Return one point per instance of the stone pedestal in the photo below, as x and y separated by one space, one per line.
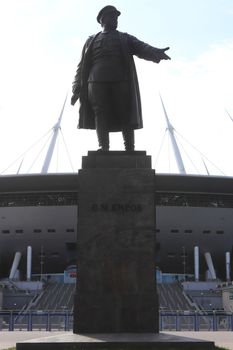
116 304
116 287
116 341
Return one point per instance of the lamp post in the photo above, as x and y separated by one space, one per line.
184 261
41 261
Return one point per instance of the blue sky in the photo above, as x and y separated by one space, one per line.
41 42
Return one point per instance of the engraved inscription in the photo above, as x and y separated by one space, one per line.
122 208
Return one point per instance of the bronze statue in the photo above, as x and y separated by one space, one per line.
106 81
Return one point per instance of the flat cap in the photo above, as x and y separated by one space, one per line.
107 9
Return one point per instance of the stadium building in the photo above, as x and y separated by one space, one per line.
38 230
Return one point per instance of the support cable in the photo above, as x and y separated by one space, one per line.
57 160
186 153
202 154
169 152
25 152
67 151
38 155
160 148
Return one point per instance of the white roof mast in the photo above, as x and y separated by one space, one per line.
49 153
176 150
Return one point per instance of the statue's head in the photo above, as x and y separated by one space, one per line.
108 14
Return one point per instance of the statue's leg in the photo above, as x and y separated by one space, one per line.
128 136
121 99
102 135
97 98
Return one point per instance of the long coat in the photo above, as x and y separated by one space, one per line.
130 46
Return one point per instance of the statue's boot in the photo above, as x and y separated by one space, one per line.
128 137
102 133
103 139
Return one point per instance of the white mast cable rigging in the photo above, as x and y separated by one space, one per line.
176 150
207 170
229 115
50 151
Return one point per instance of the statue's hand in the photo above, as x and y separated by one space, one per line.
74 99
163 55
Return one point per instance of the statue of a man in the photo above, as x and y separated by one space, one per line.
106 81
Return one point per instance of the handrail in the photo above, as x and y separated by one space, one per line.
63 320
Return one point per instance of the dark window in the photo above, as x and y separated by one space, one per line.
5 231
206 232
220 232
37 230
18 231
157 230
71 246
188 231
38 199
174 230
55 255
51 230
69 230
194 199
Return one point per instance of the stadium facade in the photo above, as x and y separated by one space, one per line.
40 211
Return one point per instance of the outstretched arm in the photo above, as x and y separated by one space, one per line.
146 51
163 55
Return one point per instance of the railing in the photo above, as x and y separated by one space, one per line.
196 321
36 320
63 321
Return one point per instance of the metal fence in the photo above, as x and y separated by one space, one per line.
36 320
196 321
63 321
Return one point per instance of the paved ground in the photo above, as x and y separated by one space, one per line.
9 339
221 339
